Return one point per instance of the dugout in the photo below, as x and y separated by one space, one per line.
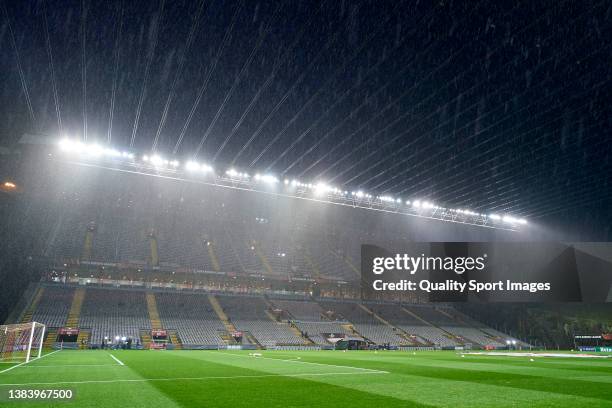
351 343
67 335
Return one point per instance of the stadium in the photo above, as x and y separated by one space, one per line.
191 195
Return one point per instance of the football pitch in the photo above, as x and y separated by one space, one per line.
130 378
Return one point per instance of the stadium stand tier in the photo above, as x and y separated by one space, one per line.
194 323
251 314
364 322
53 306
300 310
191 316
113 313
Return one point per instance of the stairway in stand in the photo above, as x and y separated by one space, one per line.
230 329
229 326
175 339
347 260
75 309
83 339
298 333
27 315
51 337
444 332
263 258
145 338
253 340
408 341
153 312
213 256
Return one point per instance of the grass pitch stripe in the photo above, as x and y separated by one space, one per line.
116 359
228 377
25 362
371 370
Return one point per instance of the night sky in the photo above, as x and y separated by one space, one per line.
493 107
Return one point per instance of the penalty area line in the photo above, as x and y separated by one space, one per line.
229 377
116 359
25 362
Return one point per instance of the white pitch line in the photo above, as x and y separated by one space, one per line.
116 359
138 380
73 365
308 362
25 362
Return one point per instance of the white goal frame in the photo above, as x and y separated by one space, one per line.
22 337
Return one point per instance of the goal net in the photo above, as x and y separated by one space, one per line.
21 342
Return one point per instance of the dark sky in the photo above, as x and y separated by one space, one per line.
496 107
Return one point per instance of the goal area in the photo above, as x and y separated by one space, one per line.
21 342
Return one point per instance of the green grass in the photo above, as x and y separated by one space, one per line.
336 379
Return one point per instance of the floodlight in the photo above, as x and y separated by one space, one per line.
192 166
111 152
65 145
94 150
157 160
509 219
266 178
68 145
321 188
360 197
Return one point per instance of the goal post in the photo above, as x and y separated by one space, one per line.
21 342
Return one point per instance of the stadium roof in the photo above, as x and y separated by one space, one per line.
494 107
